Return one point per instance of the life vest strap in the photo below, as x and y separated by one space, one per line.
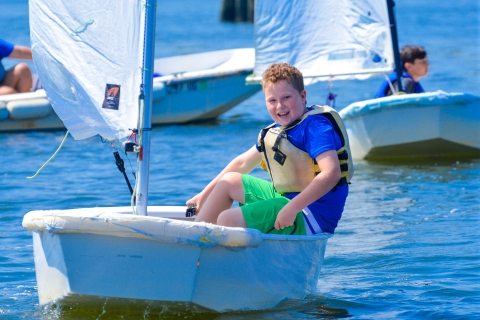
344 167
341 182
342 154
277 141
263 133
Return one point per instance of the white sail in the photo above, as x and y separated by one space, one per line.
88 55
347 39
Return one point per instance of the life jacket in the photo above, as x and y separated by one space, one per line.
382 91
292 169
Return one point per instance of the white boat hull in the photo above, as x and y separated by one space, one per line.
87 258
434 124
195 87
199 99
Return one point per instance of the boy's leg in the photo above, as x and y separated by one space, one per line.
261 207
4 87
228 189
6 90
261 215
253 190
232 218
19 79
25 82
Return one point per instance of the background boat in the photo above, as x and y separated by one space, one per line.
424 125
188 88
357 41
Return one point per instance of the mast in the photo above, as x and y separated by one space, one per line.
145 116
396 51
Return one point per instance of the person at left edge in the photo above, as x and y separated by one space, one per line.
18 78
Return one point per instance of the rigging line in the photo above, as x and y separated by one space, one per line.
131 167
144 43
83 25
390 84
126 154
53 156
133 199
119 161
121 167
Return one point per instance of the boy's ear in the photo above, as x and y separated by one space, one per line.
408 66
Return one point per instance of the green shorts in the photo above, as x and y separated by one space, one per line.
261 207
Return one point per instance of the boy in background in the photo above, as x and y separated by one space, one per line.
415 65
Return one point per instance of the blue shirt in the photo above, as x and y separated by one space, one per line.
410 85
316 135
6 49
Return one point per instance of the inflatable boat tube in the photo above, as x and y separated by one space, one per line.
29 109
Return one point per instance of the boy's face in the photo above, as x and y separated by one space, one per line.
284 103
419 68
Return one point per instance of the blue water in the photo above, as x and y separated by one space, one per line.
407 247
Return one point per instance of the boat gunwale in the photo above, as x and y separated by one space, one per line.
197 76
171 229
415 100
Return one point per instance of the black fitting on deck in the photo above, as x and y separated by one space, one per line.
120 164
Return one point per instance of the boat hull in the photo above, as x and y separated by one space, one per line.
86 268
414 126
200 99
191 88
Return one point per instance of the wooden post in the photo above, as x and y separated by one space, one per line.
237 10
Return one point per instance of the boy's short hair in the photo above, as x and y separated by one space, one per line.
410 53
283 71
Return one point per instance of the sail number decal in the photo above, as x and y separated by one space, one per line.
175 88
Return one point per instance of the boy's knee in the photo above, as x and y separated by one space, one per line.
222 218
231 218
229 180
7 90
232 176
23 69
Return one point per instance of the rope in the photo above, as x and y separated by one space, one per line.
142 68
84 25
330 101
53 156
132 199
389 83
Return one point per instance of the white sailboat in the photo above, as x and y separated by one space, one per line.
336 40
157 256
422 125
187 88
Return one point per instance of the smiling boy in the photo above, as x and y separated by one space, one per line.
306 153
415 66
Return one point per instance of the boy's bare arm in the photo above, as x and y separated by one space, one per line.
243 163
325 181
21 52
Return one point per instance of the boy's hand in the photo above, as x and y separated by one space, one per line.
285 219
198 200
